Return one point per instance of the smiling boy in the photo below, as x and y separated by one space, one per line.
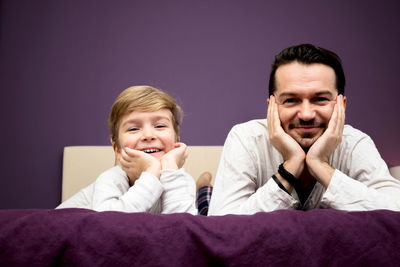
148 175
302 156
144 139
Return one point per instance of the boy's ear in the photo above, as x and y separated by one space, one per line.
177 139
114 145
116 151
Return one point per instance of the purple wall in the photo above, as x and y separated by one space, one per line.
62 63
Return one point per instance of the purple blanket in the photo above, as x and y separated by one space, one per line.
78 237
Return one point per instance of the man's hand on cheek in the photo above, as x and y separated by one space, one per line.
175 158
292 153
317 158
134 162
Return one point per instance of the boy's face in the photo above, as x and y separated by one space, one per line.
150 132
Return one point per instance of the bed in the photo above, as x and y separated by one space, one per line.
80 237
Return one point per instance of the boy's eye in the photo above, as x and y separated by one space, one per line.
160 126
132 129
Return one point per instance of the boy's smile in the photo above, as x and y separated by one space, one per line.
155 152
151 150
150 132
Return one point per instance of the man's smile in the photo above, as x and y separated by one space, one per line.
307 129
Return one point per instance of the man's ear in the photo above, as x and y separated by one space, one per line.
344 102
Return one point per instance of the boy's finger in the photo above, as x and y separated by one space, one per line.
176 145
124 155
132 152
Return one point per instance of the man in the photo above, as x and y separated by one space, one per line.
302 156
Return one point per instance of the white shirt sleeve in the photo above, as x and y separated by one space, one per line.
112 192
367 184
179 192
238 188
82 199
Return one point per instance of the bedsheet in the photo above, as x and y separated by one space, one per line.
80 237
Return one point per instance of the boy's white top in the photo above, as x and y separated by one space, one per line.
174 192
243 183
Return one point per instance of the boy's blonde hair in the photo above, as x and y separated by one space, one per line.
142 98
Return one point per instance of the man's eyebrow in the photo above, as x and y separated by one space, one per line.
324 92
286 94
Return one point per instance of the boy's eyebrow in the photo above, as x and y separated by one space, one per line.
156 118
161 118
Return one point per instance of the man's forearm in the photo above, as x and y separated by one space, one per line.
321 171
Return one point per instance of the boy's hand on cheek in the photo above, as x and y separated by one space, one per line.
175 158
134 162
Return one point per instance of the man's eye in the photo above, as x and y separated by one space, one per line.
321 99
289 101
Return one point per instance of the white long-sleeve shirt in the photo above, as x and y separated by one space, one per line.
243 183
174 192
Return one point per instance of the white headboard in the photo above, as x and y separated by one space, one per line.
83 164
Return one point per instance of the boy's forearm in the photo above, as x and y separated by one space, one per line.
169 164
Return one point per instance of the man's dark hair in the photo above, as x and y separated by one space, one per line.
308 54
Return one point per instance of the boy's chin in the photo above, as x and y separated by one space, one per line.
157 155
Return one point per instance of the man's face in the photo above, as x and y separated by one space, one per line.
306 96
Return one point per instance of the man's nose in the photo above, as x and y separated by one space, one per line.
306 111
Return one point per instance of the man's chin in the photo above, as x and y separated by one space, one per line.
306 143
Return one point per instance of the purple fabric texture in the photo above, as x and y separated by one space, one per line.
78 237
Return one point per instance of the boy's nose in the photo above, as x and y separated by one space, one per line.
306 111
148 134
